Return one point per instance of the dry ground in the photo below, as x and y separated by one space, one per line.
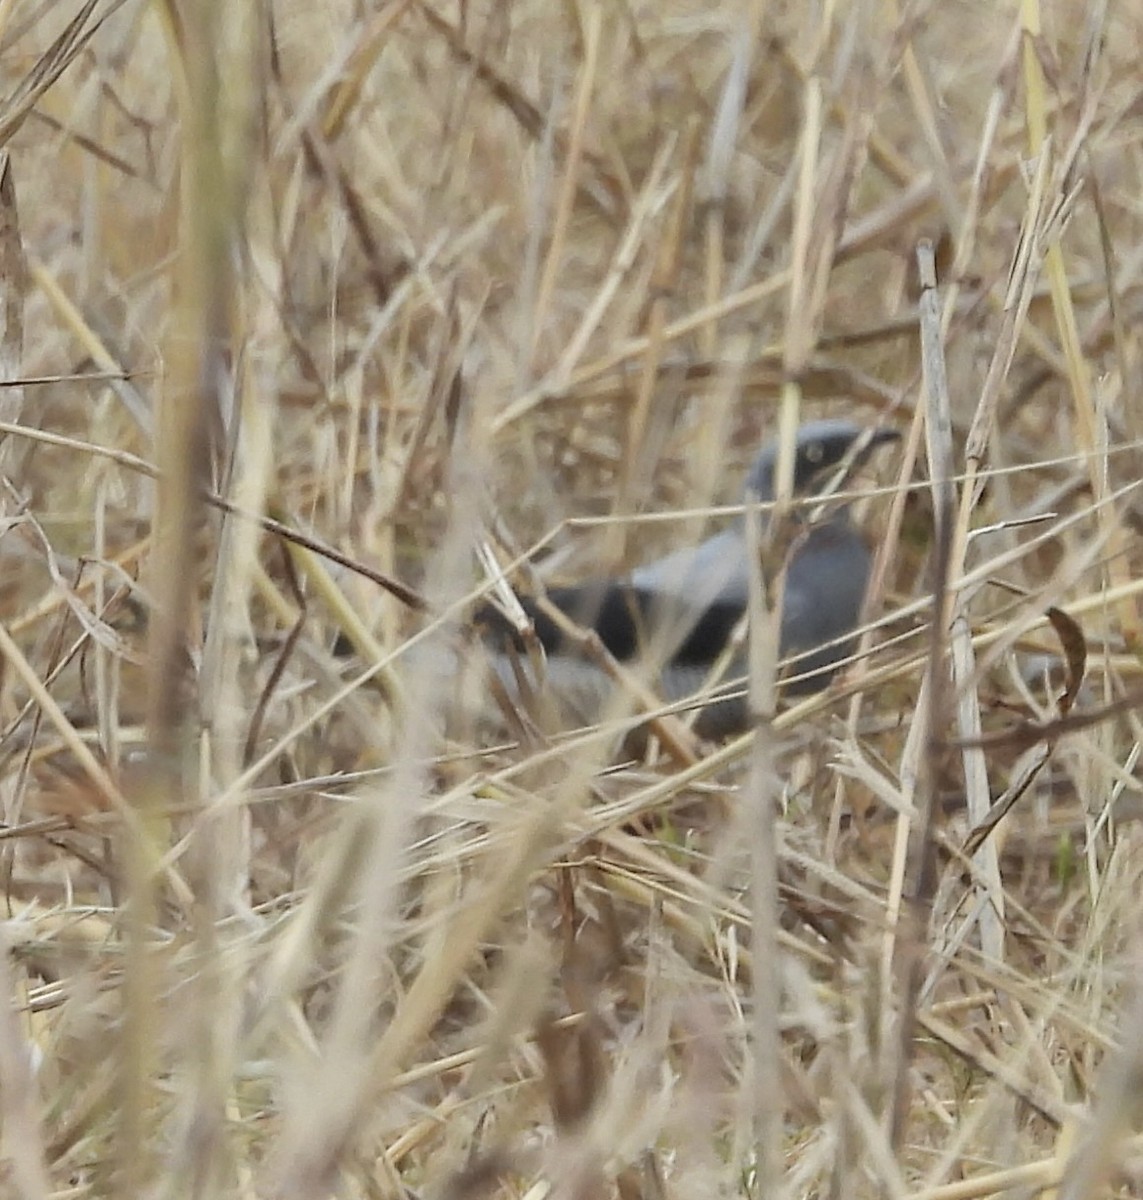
417 277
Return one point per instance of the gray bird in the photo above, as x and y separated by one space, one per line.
682 609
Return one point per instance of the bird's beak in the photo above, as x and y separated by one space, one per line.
882 434
867 442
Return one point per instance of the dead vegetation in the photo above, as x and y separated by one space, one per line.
321 317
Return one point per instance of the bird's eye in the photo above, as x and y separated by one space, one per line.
815 453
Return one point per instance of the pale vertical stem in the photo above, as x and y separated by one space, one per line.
920 883
569 183
765 1062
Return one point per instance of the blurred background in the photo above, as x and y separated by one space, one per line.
315 320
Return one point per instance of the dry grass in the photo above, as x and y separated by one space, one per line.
439 276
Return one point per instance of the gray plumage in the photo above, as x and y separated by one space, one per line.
682 609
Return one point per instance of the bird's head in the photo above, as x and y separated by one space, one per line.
820 446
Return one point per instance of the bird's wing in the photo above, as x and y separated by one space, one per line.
699 592
715 571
